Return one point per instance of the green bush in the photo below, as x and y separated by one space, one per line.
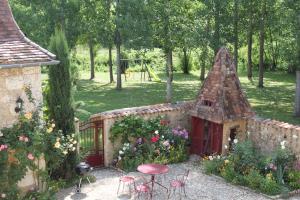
213 166
253 179
270 186
293 179
228 173
246 157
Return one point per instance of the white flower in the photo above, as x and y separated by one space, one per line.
282 147
210 158
73 149
229 139
1 134
226 147
294 136
65 152
121 152
73 135
156 132
162 137
282 143
3 195
219 157
235 141
75 142
70 145
248 133
119 158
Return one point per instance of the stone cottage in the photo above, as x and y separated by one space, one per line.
20 65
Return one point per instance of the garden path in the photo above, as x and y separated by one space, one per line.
200 186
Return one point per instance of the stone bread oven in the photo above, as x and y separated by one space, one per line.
221 109
20 61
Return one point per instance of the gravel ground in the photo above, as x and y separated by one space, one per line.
199 186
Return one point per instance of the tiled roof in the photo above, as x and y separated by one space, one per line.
221 97
15 49
143 110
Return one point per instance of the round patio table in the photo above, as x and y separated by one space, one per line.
153 169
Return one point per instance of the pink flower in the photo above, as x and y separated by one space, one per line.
30 156
21 138
3 147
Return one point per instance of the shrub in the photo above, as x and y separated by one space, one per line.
270 186
228 172
213 166
253 179
246 157
147 141
293 179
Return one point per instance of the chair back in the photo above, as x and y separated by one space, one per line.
185 176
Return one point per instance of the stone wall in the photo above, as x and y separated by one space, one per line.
267 134
176 114
12 82
240 125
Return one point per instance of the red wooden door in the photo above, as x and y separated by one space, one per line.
197 136
206 137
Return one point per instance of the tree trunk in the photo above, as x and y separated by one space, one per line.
261 45
203 63
236 35
250 39
297 100
110 64
118 46
185 62
273 51
169 70
92 59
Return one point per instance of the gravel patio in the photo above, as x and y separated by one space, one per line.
199 186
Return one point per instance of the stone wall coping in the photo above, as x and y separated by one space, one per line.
143 110
272 122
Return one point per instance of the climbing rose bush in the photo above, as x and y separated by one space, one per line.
23 145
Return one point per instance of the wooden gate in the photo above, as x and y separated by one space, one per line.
206 137
92 142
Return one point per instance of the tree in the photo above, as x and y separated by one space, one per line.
59 98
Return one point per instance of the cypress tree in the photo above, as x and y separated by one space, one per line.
59 97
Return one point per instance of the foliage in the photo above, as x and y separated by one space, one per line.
293 179
59 97
24 145
147 141
246 166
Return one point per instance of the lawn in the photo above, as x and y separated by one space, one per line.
275 101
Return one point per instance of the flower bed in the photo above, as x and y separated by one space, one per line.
274 174
148 141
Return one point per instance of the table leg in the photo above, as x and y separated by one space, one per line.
152 180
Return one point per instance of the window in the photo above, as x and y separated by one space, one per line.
207 103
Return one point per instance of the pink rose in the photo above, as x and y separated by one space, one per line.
3 147
21 138
30 156
26 139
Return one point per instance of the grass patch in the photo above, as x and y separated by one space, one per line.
275 101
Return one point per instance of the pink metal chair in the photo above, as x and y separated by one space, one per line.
143 189
179 184
126 181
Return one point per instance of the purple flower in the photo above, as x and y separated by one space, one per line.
181 132
139 141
